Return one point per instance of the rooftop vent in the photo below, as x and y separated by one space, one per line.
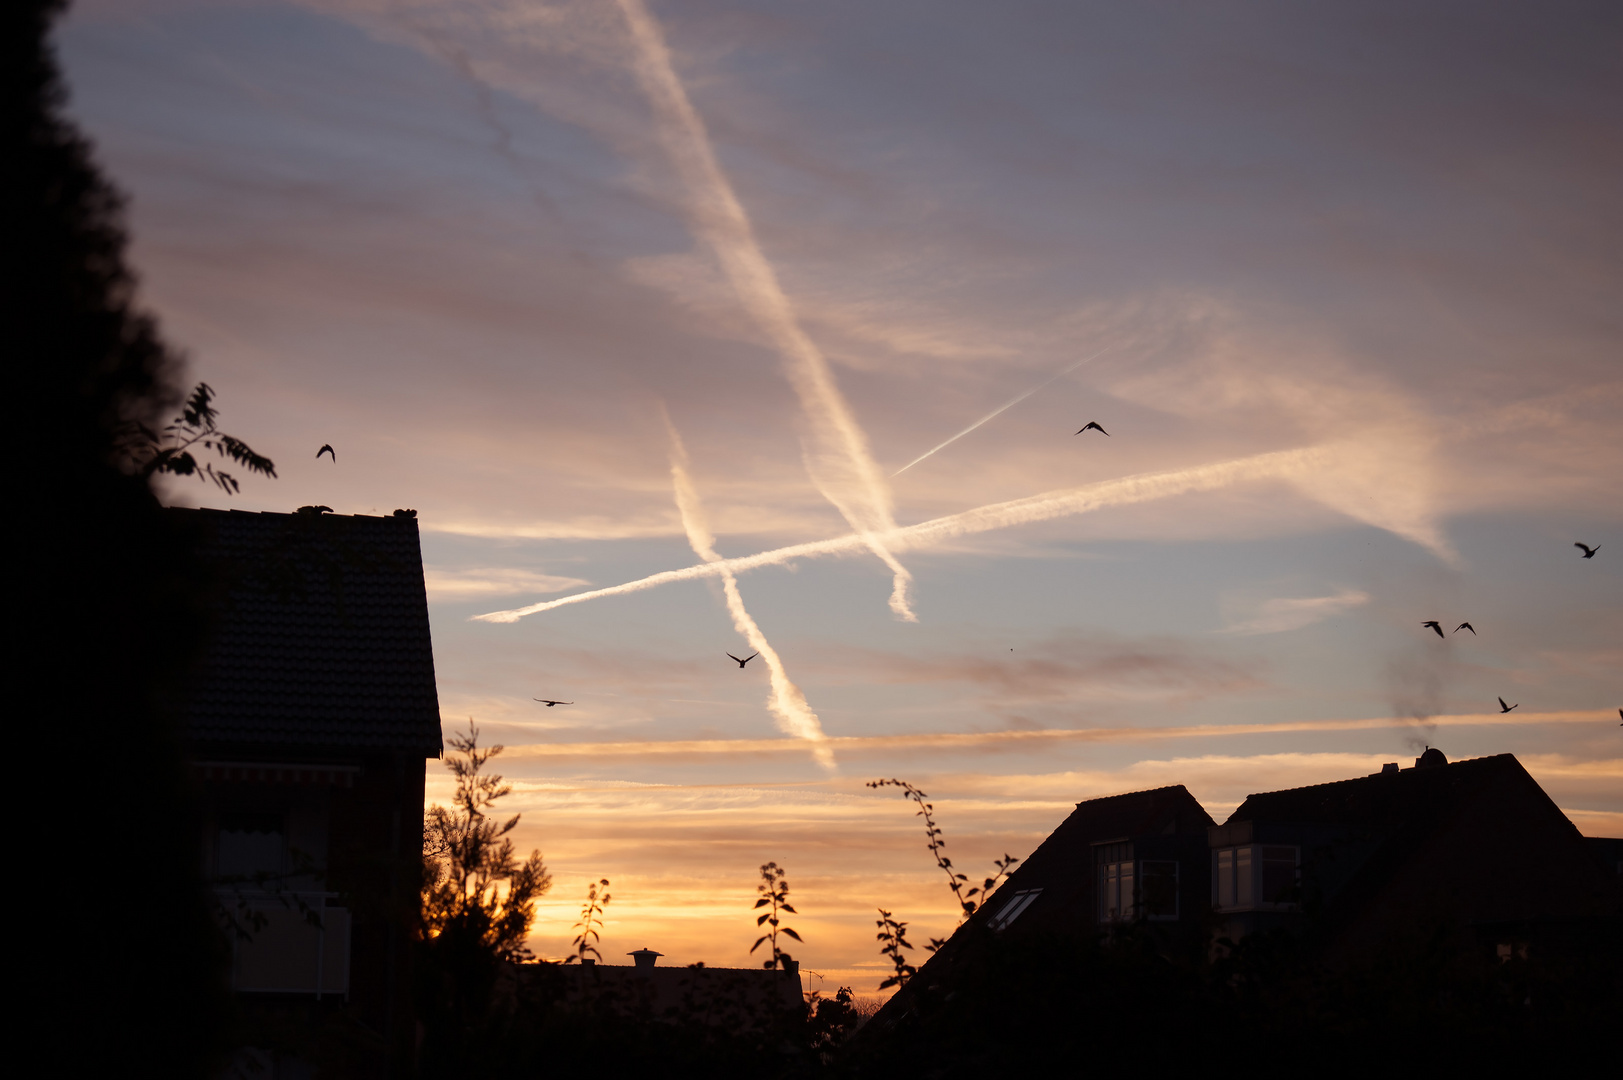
645 957
1431 759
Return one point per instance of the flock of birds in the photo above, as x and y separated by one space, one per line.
1091 425
1436 625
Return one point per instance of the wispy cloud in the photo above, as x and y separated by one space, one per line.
1066 666
978 742
1292 613
837 453
786 701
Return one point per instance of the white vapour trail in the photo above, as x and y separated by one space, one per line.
840 461
1005 407
1282 464
786 702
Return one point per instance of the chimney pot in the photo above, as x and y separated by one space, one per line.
645 957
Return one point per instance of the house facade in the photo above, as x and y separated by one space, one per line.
309 722
1349 869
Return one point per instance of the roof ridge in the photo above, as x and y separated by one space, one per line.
1374 776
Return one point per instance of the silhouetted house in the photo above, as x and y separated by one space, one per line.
309 723
734 999
1114 861
1369 862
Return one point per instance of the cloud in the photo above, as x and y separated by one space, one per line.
466 584
981 742
1066 667
1292 613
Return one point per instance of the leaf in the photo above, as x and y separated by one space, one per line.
789 909
762 902
792 934
762 919
758 941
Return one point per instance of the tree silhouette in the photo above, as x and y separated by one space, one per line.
468 858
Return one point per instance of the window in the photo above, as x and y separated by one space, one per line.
1115 891
1158 888
1278 875
1254 876
250 845
1011 911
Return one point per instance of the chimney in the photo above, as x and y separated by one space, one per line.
645 958
1431 759
792 967
1389 767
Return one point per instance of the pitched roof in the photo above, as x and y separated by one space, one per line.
1060 872
321 637
1406 799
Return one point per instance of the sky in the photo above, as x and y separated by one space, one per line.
794 309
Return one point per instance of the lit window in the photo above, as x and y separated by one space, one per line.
1013 909
1114 882
1255 876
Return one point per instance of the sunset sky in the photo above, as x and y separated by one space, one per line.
609 288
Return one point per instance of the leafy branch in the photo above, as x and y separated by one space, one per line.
197 427
962 891
774 890
586 941
893 939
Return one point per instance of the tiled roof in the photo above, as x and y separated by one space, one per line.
321 639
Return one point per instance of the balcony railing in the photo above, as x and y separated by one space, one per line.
296 944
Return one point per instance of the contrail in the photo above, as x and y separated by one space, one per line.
1001 408
785 702
841 464
1054 504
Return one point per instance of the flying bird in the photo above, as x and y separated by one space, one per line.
1435 625
1093 425
549 703
744 661
326 448
1465 626
1589 552
1506 708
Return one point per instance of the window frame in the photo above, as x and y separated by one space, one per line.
1238 875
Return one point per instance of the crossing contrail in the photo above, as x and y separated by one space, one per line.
1011 403
1282 464
785 700
838 457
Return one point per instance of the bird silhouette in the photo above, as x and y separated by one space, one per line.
1465 626
1506 708
326 448
1435 625
1589 552
549 703
1093 425
744 661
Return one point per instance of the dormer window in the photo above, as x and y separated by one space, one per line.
1256 877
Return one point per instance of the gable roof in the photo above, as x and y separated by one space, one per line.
320 639
1060 871
1408 799
1481 833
